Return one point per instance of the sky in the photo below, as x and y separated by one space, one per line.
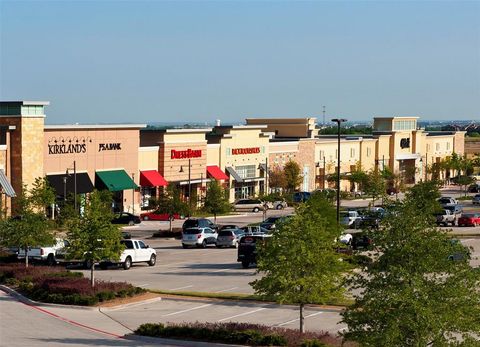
198 61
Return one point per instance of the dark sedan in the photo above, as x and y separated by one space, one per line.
125 218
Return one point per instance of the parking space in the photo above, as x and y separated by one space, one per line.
175 310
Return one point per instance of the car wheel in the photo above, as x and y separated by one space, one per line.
153 260
218 246
51 260
145 218
204 244
279 207
127 264
87 264
256 209
245 264
236 244
103 266
130 223
184 245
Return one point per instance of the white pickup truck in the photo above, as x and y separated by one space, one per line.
52 255
137 251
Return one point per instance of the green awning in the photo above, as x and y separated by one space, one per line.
114 180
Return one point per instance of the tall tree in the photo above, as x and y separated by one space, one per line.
92 236
276 179
299 263
171 203
420 289
375 185
293 175
358 177
215 199
42 195
28 227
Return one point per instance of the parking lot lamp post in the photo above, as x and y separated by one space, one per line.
133 194
339 121
74 183
189 185
64 189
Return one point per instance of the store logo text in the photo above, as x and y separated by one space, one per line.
186 154
109 147
251 150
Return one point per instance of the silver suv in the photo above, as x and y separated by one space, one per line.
253 205
200 237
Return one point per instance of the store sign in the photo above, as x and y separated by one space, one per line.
67 145
250 150
186 154
109 147
405 143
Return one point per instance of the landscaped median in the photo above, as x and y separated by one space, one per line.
59 286
239 334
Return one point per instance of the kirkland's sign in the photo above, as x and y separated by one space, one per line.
250 150
67 145
186 154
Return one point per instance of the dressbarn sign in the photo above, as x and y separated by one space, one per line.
249 150
186 154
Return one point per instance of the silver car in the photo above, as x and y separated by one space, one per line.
229 237
250 205
200 237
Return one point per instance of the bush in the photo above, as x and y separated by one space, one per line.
238 333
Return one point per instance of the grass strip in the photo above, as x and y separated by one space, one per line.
242 297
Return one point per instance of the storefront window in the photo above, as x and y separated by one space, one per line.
244 190
247 171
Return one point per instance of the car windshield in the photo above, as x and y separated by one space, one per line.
344 214
225 233
190 223
192 231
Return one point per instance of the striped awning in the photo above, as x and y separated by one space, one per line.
7 187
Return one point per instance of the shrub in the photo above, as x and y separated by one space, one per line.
239 333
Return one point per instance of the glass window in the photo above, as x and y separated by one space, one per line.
369 151
437 146
352 152
142 245
246 171
127 243
448 145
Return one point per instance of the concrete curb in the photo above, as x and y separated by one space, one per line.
131 304
159 341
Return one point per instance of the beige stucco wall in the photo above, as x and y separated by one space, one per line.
367 154
148 158
213 154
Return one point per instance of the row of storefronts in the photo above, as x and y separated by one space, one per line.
134 162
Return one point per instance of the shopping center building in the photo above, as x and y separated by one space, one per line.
135 162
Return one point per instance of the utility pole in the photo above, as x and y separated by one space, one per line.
133 194
323 115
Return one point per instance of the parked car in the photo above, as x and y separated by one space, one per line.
301 196
474 188
277 205
270 222
350 219
50 254
199 223
345 238
228 226
469 219
476 200
255 229
370 218
247 248
456 210
136 251
199 237
361 241
445 217
229 237
251 205
125 218
446 200
157 215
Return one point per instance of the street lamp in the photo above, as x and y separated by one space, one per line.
133 194
339 121
74 183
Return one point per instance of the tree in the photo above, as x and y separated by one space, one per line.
277 179
28 227
420 289
375 185
293 177
215 199
92 236
358 177
299 262
464 181
42 194
170 202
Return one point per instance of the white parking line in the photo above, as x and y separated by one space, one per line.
188 310
181 287
143 285
241 314
297 319
225 290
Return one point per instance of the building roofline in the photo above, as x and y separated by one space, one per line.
27 102
93 126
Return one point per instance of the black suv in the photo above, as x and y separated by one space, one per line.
125 218
199 223
247 248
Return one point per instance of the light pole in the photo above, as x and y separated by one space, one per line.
339 121
74 183
64 189
189 185
133 194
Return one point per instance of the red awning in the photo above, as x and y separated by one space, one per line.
152 178
215 172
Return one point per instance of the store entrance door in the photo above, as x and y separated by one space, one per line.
245 194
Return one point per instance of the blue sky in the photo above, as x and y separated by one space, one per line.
155 61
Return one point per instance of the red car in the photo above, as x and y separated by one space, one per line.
156 215
469 219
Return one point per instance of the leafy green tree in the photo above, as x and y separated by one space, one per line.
375 185
293 175
277 179
28 227
358 177
299 262
171 203
464 181
41 195
92 236
420 289
215 199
